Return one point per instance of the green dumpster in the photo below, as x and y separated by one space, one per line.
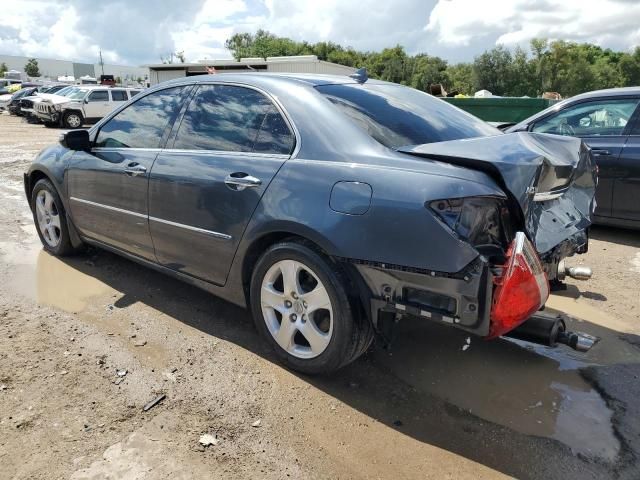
501 109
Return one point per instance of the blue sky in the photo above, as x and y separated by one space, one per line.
136 32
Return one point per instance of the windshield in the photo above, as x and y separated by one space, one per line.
76 94
398 116
65 91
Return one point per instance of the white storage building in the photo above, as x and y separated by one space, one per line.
297 64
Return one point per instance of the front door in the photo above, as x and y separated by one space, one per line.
108 186
206 184
603 124
97 105
626 187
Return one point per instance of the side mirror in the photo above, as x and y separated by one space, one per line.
86 100
76 140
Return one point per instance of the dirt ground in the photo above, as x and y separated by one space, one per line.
86 342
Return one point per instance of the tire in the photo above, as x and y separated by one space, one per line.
50 219
72 120
331 336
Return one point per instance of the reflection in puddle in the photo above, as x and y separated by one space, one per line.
49 280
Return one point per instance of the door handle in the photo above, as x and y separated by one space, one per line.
134 169
600 152
240 180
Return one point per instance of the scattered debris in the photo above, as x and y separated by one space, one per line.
398 423
256 424
153 402
63 372
467 344
140 343
118 381
208 439
67 353
538 404
3 387
122 373
173 370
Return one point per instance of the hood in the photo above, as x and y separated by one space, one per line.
552 178
56 99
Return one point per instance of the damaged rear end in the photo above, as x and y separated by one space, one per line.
522 238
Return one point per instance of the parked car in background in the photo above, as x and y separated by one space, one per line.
609 122
27 103
330 205
14 104
84 104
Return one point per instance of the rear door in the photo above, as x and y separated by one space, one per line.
108 186
603 124
118 98
206 184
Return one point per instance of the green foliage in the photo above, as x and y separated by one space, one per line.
31 68
558 66
3 69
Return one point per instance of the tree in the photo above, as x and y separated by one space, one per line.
491 70
460 78
3 69
31 68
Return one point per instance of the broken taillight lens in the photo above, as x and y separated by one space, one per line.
521 290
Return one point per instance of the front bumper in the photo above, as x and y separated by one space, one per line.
50 117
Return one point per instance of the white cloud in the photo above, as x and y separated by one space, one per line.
461 23
138 31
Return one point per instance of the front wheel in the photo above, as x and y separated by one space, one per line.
72 120
300 305
50 219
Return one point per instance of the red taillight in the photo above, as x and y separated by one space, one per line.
521 290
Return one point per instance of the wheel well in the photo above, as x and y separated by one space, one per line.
33 179
263 243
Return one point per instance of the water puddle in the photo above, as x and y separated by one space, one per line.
533 390
47 279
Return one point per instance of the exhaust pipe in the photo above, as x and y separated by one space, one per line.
578 273
548 330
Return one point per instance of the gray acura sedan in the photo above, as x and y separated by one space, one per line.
330 206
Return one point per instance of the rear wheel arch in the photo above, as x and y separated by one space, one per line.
357 288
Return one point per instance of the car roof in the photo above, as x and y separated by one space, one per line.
312 79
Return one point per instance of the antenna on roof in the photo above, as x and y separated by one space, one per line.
360 75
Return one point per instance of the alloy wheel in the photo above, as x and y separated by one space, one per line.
48 218
297 309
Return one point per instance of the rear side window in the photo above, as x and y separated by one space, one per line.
233 119
119 95
133 93
99 96
142 124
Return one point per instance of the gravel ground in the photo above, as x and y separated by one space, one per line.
424 409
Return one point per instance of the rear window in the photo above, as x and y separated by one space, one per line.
398 116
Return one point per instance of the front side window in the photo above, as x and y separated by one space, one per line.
77 94
600 117
142 124
233 119
99 96
118 95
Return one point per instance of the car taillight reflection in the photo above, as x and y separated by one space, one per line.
521 290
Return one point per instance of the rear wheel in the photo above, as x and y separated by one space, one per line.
50 219
300 305
72 120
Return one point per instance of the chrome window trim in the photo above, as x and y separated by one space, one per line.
211 233
223 153
125 149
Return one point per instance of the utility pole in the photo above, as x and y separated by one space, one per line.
101 62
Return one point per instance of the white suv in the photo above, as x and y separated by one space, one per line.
85 104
